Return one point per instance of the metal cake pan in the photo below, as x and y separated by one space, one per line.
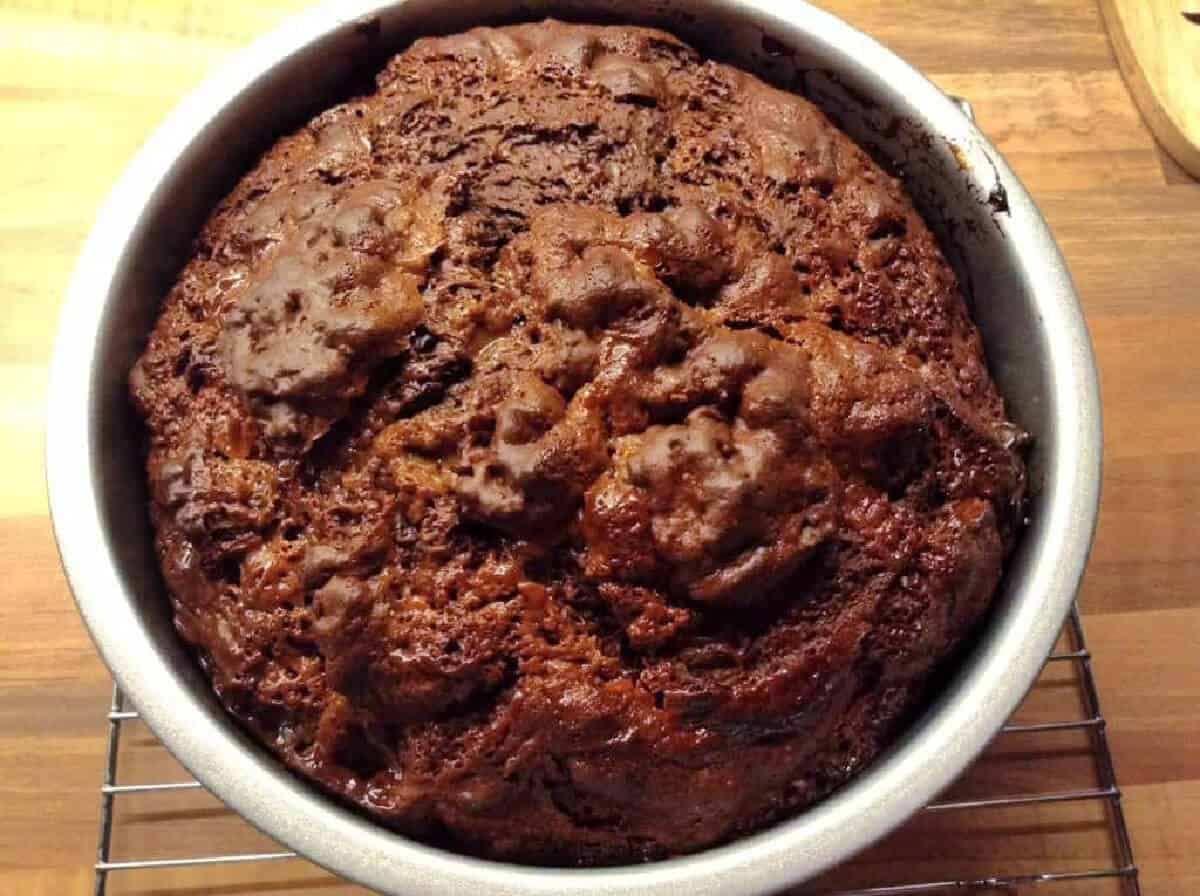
1021 296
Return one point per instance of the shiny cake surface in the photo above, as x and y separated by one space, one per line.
574 452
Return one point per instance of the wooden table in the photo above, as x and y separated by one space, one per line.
82 82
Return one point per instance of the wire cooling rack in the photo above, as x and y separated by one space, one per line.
931 844
1067 726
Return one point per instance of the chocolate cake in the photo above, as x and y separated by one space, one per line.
575 452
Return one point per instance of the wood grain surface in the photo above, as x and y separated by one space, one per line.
1157 43
82 82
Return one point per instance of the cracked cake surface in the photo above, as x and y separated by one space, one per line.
575 451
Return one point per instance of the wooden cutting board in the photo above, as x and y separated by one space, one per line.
82 83
1157 43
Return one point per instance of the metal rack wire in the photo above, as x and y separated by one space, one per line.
1106 791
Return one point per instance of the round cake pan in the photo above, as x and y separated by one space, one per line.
1020 293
